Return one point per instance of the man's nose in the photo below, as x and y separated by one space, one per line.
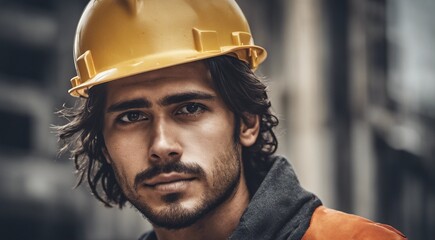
164 144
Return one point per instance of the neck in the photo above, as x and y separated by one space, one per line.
218 224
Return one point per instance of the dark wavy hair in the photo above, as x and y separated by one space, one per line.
241 90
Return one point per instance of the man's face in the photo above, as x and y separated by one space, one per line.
170 140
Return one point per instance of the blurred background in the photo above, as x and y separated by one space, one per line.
352 82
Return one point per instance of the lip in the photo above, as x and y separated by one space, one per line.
167 179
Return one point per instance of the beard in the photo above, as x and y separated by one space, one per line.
221 184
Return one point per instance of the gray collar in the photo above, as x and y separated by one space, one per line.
279 209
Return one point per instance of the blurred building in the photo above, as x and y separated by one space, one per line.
352 83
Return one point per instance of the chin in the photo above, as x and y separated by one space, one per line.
175 214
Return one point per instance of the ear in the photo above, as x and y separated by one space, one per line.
106 155
249 129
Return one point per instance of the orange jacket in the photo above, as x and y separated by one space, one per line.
331 224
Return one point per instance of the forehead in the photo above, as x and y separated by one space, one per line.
193 76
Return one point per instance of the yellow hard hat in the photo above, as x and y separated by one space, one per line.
120 38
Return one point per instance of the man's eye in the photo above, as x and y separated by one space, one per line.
129 117
191 109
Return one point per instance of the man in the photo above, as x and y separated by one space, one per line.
174 121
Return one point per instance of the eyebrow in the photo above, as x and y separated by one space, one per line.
184 97
129 104
167 100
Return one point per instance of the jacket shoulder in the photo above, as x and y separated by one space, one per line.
331 224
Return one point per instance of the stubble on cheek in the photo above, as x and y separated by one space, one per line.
226 168
122 180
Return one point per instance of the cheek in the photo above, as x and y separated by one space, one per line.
122 143
209 139
127 154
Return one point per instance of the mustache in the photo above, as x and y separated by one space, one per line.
179 167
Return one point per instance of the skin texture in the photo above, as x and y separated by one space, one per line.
170 140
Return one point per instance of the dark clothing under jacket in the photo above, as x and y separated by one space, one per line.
282 209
